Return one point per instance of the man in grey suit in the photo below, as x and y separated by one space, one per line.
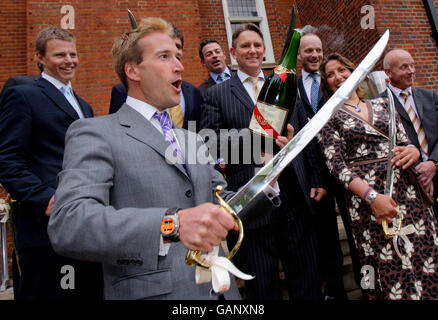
418 110
127 173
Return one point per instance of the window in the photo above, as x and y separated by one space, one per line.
243 11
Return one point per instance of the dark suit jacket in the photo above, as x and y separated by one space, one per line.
426 102
33 123
209 83
15 81
191 95
206 84
318 175
228 106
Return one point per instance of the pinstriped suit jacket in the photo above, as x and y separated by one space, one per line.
228 106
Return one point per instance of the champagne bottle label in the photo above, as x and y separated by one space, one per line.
268 119
282 72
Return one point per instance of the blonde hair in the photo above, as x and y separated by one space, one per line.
50 33
126 49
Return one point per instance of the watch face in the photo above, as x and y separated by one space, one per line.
167 226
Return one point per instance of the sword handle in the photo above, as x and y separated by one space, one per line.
388 234
194 256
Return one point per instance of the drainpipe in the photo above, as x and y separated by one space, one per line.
433 18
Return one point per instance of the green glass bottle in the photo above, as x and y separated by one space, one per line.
278 96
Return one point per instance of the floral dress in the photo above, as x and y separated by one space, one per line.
355 148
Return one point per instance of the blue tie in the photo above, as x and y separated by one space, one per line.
221 78
314 92
67 91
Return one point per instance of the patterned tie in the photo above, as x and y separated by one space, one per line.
67 91
166 125
416 122
314 92
177 115
255 84
221 77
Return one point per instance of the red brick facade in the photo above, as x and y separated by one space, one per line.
97 23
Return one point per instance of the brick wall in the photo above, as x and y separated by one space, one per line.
98 23
13 38
340 25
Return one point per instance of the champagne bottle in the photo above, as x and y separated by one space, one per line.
277 98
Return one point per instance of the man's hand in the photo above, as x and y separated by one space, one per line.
426 172
317 194
405 156
204 226
281 141
50 206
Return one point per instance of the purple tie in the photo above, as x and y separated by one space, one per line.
166 125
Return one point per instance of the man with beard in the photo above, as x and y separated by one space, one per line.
322 185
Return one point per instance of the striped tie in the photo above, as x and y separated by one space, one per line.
166 125
415 122
255 84
177 115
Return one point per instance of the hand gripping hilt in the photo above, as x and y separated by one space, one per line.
194 256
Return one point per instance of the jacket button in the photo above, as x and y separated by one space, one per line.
189 193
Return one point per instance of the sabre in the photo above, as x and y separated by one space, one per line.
274 167
132 19
390 171
379 79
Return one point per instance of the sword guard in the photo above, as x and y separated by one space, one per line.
194 256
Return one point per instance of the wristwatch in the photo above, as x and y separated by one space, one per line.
372 195
170 225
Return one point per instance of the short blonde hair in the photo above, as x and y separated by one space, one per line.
50 33
126 49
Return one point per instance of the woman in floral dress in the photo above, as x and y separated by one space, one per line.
356 147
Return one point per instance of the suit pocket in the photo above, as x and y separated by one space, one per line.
141 285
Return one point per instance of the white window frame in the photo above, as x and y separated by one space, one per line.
262 20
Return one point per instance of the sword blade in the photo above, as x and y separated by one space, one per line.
274 167
132 20
389 183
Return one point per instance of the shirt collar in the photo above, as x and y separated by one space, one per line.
306 75
243 76
398 90
214 75
58 84
144 108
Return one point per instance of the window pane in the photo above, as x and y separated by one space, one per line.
235 25
242 8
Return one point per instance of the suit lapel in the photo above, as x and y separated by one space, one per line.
239 91
86 109
142 130
303 93
305 98
398 106
418 99
57 97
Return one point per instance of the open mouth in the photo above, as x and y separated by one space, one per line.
177 84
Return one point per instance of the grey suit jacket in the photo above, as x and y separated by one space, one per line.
426 102
113 191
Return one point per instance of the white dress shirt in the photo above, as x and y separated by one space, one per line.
248 84
58 84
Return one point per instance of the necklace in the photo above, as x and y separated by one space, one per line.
356 107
